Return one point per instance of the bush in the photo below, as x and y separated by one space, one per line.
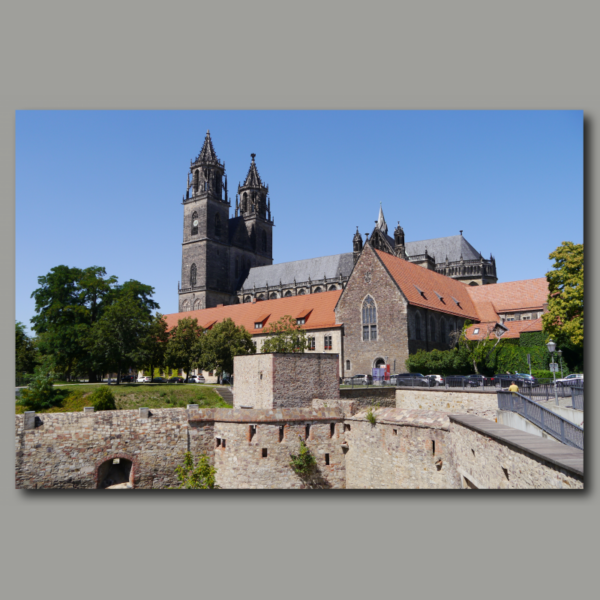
103 399
304 462
371 417
40 394
200 477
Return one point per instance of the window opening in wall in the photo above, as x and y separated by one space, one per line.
281 432
300 321
346 427
394 432
433 446
476 331
224 443
311 343
327 459
264 453
218 442
473 451
307 431
506 473
113 472
193 275
195 224
331 429
418 326
348 367
369 319
328 344
252 431
258 325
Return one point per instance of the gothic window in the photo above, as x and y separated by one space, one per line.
369 319
197 304
264 241
245 202
443 331
196 180
332 288
418 326
288 294
193 275
450 331
237 266
185 306
218 184
317 290
247 299
218 225
272 296
195 223
301 293
432 329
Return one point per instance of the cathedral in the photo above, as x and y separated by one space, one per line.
373 306
229 260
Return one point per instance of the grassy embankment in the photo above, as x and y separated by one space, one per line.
130 396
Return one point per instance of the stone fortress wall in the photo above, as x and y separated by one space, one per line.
251 448
482 404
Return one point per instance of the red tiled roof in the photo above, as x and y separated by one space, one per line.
410 276
515 329
321 305
529 294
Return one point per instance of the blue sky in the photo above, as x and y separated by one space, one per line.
104 188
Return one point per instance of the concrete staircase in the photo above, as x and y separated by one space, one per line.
225 393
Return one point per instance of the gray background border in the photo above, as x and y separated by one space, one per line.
274 55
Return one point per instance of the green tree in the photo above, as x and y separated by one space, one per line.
224 341
152 346
478 351
102 398
564 319
25 352
200 477
41 393
116 336
184 348
286 336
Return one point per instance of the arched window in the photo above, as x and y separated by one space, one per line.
301 292
193 275
432 329
196 180
197 304
369 319
317 290
237 266
273 296
332 288
260 297
195 223
218 225
247 299
443 331
264 241
418 326
245 202
288 294
185 306
450 330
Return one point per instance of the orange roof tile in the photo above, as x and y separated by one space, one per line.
514 329
486 311
321 305
512 295
410 277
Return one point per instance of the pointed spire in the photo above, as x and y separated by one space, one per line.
381 224
207 154
253 178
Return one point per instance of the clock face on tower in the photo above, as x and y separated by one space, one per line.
195 223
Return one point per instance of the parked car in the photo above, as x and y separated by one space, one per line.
144 379
521 379
159 380
417 379
176 380
479 380
126 378
575 379
196 379
436 379
361 379
460 381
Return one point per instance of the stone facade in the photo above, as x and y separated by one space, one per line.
430 330
371 396
370 279
284 380
257 451
476 403
486 463
402 450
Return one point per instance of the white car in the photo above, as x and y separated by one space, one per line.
575 379
196 379
144 379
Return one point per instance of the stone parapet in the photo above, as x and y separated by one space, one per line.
482 404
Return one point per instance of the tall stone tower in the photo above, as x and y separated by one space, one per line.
205 276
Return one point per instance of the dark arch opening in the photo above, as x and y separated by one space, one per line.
114 472
473 283
379 363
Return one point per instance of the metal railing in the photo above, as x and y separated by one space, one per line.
561 429
577 397
450 383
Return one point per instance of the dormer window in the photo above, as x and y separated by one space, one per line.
300 321
258 325
260 322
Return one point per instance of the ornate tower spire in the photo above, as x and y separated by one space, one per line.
399 242
357 245
207 173
381 224
253 194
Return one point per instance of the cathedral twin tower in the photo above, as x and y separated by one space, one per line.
218 251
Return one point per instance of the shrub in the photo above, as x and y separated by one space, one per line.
103 399
200 477
40 394
371 417
304 462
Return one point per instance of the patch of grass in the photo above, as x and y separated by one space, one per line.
371 416
131 396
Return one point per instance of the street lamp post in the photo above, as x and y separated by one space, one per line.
559 352
551 348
